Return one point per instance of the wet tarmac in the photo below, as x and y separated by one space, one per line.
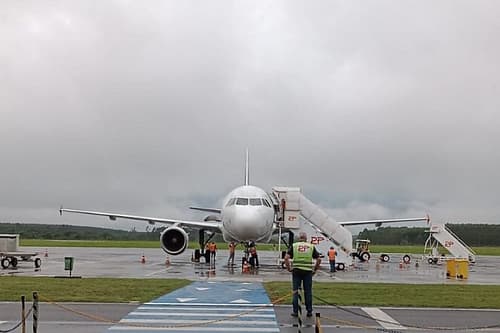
121 262
126 262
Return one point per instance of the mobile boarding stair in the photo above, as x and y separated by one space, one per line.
323 230
440 234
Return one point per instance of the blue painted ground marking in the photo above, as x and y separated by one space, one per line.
205 307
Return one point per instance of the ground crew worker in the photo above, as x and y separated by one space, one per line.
254 258
331 258
302 254
207 253
231 247
213 250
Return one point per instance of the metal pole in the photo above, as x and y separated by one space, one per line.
35 312
279 243
23 313
317 328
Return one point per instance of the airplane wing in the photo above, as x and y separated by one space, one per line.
378 223
151 220
210 210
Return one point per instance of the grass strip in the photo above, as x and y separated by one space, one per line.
107 290
400 295
113 290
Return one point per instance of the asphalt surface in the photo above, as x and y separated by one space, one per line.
104 262
350 319
120 262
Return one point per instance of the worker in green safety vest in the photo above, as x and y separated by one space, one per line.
302 253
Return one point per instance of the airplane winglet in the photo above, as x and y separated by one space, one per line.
61 210
428 218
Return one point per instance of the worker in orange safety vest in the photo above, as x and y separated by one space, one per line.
213 251
331 259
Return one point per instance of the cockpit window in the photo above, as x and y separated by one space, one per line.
231 202
264 200
255 202
242 201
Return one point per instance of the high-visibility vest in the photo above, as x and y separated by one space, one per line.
331 254
303 255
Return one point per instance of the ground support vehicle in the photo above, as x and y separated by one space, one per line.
12 258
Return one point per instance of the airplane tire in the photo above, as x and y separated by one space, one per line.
365 256
384 257
340 267
430 261
406 259
5 263
38 262
13 262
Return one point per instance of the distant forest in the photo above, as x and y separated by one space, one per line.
72 232
471 234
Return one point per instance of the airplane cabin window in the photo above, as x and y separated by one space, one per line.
255 202
242 201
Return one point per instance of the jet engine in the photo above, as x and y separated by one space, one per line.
174 240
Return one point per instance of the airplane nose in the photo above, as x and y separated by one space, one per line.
253 226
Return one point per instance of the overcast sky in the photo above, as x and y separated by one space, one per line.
378 109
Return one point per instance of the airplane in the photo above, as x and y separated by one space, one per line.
248 215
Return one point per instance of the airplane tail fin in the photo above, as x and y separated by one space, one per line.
247 170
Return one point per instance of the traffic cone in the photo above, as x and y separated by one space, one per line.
246 267
401 264
143 259
46 253
167 261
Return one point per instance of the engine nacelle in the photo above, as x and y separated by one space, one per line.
174 240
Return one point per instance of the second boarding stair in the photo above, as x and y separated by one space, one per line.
450 241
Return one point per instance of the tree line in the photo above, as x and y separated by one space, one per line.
471 234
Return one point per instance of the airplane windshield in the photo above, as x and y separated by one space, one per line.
242 201
231 202
255 202
266 202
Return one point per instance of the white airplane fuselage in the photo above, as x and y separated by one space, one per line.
247 215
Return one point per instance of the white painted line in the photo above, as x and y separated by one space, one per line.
187 299
199 314
214 304
201 308
199 329
240 301
194 321
243 289
387 323
202 289
160 271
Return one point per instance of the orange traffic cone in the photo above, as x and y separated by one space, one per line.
46 253
401 264
143 259
246 267
167 261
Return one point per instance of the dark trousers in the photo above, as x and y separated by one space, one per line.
332 266
302 279
254 261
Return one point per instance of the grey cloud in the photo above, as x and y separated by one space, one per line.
373 108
